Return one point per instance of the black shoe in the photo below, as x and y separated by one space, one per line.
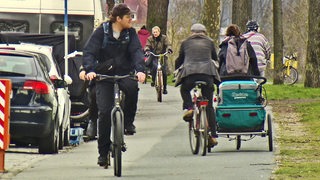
130 129
165 91
103 161
152 84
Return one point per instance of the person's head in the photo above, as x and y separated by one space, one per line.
233 30
252 26
122 15
156 31
198 28
143 27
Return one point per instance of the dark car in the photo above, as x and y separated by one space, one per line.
34 104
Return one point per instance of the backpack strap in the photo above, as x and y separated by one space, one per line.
106 34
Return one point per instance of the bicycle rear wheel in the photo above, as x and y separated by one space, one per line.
159 85
290 78
193 137
203 135
117 143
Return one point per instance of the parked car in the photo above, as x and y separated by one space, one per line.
34 103
64 103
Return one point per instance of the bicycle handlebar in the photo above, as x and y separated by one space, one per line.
100 77
291 57
158 55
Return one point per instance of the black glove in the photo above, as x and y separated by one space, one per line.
170 51
147 53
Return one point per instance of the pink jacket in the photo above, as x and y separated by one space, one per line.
143 36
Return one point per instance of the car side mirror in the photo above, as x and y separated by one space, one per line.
59 83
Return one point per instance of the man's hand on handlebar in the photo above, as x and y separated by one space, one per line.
147 53
141 76
91 75
82 75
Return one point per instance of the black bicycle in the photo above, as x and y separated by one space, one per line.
117 122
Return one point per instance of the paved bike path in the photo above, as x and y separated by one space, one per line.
159 150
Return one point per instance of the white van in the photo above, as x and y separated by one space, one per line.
47 16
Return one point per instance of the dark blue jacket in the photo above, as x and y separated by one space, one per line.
119 57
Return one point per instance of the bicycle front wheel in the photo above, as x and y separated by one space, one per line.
203 135
193 137
117 143
159 86
290 77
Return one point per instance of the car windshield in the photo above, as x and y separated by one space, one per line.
17 64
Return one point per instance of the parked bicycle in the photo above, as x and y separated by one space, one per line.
289 72
117 122
159 75
198 126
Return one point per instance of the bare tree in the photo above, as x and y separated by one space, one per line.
158 14
110 5
313 48
278 41
241 12
179 25
211 18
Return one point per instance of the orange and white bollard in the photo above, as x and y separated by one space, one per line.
5 90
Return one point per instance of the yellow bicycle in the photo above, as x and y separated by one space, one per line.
289 72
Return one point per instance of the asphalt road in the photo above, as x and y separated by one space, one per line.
159 150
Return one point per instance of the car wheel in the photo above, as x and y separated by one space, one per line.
61 137
67 136
50 143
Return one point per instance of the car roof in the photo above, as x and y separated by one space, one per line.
39 49
34 56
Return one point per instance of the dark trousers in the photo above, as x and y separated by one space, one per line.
93 108
207 91
105 100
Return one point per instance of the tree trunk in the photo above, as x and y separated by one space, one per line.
278 41
241 13
110 5
158 14
313 46
211 19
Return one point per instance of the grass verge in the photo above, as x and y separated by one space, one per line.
298 136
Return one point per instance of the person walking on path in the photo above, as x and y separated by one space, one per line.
143 34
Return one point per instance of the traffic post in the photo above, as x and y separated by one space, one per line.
5 90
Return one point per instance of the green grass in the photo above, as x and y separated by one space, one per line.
283 92
299 151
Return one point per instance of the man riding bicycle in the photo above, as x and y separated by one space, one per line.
158 43
197 55
114 49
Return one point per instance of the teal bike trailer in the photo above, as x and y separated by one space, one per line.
241 111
